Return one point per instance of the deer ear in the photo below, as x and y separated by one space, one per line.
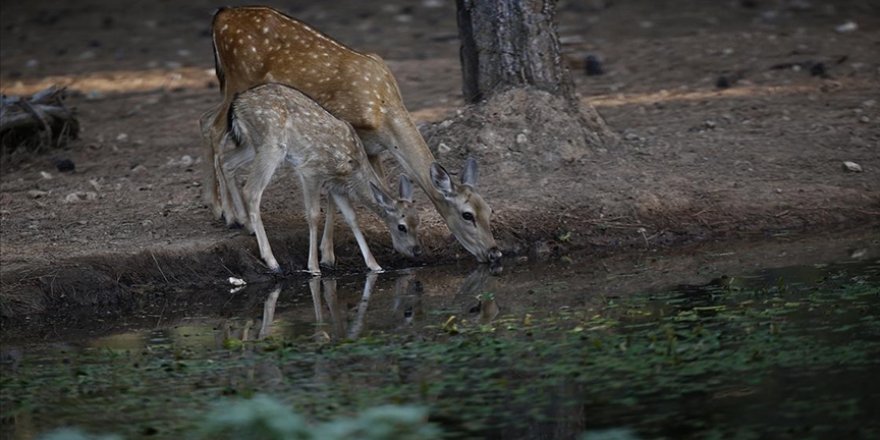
405 188
441 180
469 173
384 200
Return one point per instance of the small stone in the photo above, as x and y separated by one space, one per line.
122 137
36 194
521 138
237 281
79 196
45 175
709 124
592 66
630 136
138 169
443 148
32 63
852 167
849 26
864 119
65 165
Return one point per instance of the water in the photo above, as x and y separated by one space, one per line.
775 339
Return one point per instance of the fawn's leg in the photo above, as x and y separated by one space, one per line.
312 201
351 219
230 190
328 254
265 164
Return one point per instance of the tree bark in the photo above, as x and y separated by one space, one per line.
510 43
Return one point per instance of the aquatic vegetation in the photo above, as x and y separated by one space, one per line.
734 357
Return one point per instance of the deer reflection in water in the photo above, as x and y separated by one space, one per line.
341 314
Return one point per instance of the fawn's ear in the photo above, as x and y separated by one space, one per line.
405 188
441 180
470 173
384 200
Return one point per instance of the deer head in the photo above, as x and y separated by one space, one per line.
466 213
401 217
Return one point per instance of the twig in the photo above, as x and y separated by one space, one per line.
159 267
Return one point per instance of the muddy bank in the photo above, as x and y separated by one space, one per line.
97 297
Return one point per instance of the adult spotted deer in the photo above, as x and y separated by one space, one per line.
273 123
256 45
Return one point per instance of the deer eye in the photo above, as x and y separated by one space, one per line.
401 228
468 216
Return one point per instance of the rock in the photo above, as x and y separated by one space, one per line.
185 161
849 26
237 281
709 124
443 148
852 167
592 66
36 194
65 165
122 137
864 119
79 196
521 138
138 169
45 175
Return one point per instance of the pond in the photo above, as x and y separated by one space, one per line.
772 339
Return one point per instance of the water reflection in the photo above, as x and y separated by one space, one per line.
345 308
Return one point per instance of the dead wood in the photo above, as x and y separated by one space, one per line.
37 123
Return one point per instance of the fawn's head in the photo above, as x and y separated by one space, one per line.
401 217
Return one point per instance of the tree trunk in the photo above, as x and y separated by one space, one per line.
510 43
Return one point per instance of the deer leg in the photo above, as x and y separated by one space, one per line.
233 160
223 197
211 192
350 218
263 168
312 200
328 255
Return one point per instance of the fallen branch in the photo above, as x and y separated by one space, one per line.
41 121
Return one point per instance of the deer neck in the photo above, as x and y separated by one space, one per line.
405 143
361 192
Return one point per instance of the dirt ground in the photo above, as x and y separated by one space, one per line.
695 162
